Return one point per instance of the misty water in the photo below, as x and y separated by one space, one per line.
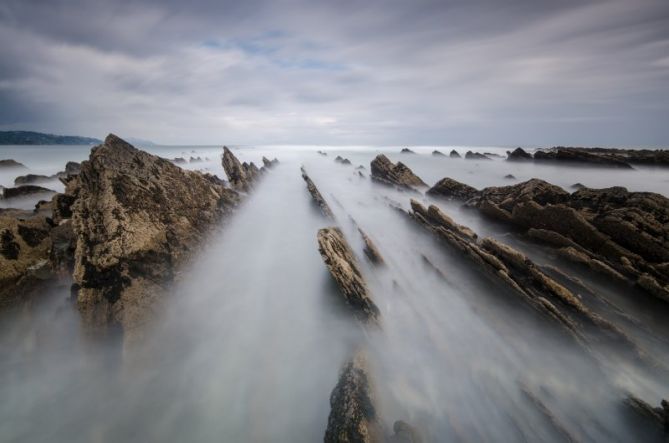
252 338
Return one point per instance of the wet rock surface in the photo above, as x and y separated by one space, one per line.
136 218
385 171
353 416
343 267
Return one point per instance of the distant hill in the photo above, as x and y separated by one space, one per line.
38 138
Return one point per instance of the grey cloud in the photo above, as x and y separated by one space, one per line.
423 72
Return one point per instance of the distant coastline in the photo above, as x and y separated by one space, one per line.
39 138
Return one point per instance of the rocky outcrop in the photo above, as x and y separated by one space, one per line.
242 176
31 179
659 416
179 161
267 163
438 153
370 250
581 156
452 189
469 155
11 164
454 154
317 197
71 168
406 151
23 191
136 219
510 177
384 171
343 267
623 235
522 277
353 416
518 154
343 161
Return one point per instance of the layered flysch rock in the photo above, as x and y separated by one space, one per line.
622 234
581 156
136 218
353 416
370 250
316 196
241 175
384 171
518 154
23 191
469 155
452 189
343 267
522 276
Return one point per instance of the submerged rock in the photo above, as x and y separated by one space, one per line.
30 179
438 153
469 155
384 171
657 415
10 163
22 191
452 189
406 151
353 416
316 196
518 154
241 175
136 218
582 156
343 161
343 267
510 177
454 154
370 250
267 163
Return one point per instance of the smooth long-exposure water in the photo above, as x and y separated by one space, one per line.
251 341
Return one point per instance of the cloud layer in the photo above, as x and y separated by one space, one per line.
518 72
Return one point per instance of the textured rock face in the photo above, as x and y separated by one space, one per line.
353 416
25 244
516 271
370 249
622 234
317 197
519 154
384 171
136 218
241 175
343 267
452 189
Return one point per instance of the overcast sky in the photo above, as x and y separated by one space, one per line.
478 72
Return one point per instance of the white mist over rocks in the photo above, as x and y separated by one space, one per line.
251 341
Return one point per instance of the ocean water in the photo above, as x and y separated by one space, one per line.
254 334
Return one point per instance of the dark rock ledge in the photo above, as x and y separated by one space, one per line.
316 196
623 235
399 175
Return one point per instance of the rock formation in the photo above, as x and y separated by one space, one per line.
510 177
518 154
438 153
22 191
657 415
343 267
521 276
452 189
406 151
241 175
136 218
353 416
622 234
10 163
370 250
454 154
317 197
581 156
469 155
384 171
31 179
267 163
343 161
